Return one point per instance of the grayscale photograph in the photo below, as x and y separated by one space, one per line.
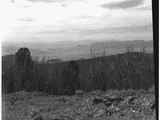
78 60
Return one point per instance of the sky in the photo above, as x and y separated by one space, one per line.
75 20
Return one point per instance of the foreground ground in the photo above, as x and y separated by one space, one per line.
97 105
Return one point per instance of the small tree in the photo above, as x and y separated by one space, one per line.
24 70
23 57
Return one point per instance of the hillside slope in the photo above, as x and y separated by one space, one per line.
122 71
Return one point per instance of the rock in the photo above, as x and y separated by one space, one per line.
38 117
79 92
62 99
153 106
13 100
99 113
97 100
107 103
107 100
112 109
112 99
68 92
35 113
96 92
122 114
131 99
108 113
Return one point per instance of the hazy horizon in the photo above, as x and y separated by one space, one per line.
77 50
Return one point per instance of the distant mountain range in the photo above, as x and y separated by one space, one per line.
77 49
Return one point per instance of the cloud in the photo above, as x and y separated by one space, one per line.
26 19
123 4
45 0
51 32
123 30
145 8
54 1
107 31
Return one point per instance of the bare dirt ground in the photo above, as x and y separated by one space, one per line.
96 105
